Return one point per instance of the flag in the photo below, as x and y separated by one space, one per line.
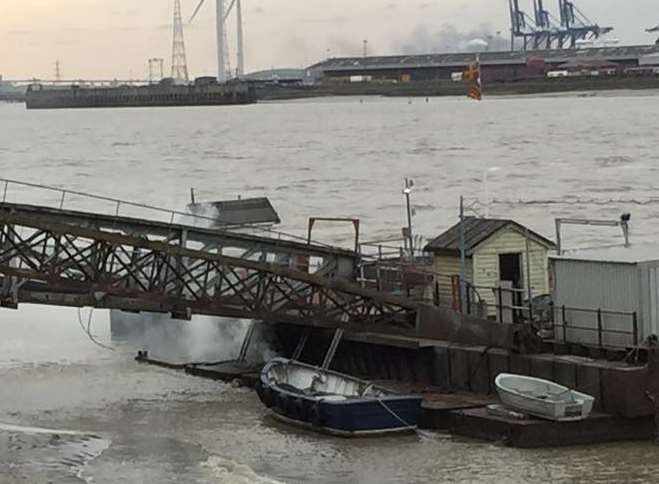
473 73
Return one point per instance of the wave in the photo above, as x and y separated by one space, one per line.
67 451
229 471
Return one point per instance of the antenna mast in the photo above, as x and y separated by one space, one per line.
179 61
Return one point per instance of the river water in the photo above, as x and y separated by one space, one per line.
73 412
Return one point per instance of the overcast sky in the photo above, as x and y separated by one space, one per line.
114 38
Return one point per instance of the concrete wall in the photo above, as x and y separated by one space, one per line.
618 388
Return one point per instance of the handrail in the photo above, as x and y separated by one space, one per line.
119 202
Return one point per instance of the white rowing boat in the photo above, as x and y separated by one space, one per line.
542 398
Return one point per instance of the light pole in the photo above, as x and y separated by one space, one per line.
407 191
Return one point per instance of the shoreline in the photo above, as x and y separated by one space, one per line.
446 89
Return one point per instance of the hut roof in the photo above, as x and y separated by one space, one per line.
478 230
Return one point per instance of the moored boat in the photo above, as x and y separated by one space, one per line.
333 402
543 398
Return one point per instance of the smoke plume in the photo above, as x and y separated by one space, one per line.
424 40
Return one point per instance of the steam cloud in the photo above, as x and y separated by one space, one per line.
204 338
448 39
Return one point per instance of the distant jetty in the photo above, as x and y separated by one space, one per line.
203 92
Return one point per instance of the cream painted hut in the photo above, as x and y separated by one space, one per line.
496 251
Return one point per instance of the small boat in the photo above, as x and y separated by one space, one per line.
334 403
542 398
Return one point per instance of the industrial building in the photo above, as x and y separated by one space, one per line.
495 66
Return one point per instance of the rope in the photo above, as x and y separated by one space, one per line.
406 424
87 330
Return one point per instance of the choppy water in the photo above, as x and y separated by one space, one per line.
115 421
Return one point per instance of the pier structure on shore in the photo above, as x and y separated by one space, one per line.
321 303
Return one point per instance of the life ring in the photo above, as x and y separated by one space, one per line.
315 415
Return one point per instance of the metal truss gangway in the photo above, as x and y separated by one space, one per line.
63 257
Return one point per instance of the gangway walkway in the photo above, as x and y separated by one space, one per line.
63 257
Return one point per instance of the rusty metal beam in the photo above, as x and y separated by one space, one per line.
82 266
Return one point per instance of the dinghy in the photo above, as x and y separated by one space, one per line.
333 402
542 398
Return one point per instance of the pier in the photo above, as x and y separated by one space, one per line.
320 306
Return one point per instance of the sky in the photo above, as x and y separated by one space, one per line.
107 39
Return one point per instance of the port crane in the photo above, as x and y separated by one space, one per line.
545 31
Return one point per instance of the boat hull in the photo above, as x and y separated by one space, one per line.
568 405
352 417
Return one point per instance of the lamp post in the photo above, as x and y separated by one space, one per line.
407 191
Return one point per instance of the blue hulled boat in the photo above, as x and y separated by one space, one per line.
333 402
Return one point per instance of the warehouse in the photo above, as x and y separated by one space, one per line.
496 66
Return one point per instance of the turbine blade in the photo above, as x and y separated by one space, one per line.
196 11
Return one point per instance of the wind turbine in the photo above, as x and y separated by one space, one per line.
222 14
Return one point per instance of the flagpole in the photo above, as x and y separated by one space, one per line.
480 72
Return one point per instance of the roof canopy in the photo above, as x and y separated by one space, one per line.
250 211
477 231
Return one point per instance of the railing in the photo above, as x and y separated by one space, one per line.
562 326
64 196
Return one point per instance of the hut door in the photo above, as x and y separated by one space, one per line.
510 269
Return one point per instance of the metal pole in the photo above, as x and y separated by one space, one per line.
407 191
558 237
599 327
564 318
4 195
240 68
463 255
221 61
635 321
528 274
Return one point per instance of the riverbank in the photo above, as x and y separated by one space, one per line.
444 88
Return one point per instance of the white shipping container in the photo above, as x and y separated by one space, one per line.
617 280
355 79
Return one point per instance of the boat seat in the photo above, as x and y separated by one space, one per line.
291 388
334 398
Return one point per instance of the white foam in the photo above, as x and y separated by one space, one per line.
37 430
228 471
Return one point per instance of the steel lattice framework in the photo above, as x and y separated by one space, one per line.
72 265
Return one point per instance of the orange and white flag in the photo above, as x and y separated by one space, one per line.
473 73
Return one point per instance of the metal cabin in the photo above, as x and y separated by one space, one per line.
496 251
607 296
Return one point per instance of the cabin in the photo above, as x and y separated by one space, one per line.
606 296
496 251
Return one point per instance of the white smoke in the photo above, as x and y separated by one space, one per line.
204 338
424 40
